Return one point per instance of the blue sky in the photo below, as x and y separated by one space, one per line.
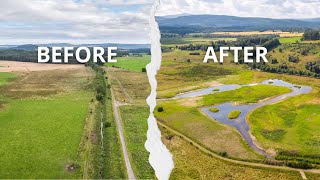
74 21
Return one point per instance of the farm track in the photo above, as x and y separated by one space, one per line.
251 164
115 105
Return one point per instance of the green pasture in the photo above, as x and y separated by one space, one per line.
132 63
39 137
291 125
290 40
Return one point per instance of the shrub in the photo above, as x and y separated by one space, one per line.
293 59
99 97
194 53
107 124
299 164
223 154
160 109
274 61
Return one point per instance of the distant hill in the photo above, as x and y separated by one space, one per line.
26 47
210 23
317 20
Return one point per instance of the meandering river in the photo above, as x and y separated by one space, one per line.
240 123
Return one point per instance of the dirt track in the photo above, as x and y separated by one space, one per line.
16 66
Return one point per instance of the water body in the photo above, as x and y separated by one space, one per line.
240 123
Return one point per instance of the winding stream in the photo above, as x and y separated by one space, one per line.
240 123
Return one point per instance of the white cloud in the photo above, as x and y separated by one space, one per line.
250 8
73 21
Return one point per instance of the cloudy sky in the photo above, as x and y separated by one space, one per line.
252 8
122 21
74 21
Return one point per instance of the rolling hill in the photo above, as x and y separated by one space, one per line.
209 23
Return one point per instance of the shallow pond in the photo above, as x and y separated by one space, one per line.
240 123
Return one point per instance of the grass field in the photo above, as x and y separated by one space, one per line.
191 163
289 40
41 123
291 125
132 63
5 77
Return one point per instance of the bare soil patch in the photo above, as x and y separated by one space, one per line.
16 66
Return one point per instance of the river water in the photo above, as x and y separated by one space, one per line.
240 123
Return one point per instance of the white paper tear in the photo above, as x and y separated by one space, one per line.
160 158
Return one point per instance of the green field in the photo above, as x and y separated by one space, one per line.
289 40
132 63
5 77
38 144
291 125
41 125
